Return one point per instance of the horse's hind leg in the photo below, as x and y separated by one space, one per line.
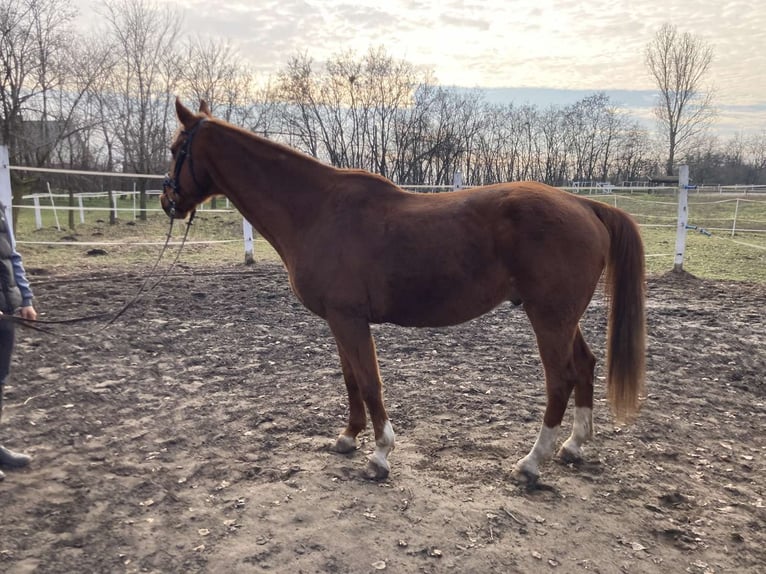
556 346
357 418
582 428
360 370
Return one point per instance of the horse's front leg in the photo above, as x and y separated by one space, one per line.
357 418
360 366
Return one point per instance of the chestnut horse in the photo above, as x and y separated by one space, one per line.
360 250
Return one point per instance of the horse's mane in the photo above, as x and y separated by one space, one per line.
277 150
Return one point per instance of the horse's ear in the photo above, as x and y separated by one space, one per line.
185 115
204 109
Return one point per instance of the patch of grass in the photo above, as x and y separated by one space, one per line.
742 258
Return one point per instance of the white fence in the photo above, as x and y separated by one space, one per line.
113 197
55 205
599 188
53 202
122 204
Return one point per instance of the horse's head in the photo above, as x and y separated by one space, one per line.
186 184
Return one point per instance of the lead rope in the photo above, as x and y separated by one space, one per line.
35 324
149 276
178 253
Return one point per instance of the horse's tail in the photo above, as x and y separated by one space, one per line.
626 327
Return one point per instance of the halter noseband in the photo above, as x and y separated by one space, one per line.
183 153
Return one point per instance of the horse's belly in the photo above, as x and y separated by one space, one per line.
444 303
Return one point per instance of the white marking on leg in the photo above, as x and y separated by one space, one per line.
527 467
582 432
383 447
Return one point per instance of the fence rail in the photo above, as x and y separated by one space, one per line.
723 209
703 189
731 214
722 212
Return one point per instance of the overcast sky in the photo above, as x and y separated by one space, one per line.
590 45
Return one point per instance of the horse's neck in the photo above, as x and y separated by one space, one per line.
277 189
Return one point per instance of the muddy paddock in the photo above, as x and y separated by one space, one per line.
193 435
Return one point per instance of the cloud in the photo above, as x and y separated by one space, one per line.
566 44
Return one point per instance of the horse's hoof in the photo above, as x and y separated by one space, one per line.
377 470
525 476
345 444
569 457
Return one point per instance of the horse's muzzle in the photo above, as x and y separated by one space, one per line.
168 205
168 198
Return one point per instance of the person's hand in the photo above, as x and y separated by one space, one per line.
28 313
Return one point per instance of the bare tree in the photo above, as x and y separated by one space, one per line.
111 102
593 126
34 54
44 81
634 155
86 85
525 126
410 129
678 63
553 129
213 70
756 156
487 147
297 91
389 86
144 80
757 153
502 145
349 114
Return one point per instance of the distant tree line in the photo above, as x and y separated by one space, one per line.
105 102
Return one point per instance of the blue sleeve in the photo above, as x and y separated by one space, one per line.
20 274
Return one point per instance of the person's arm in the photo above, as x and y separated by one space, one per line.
21 280
20 274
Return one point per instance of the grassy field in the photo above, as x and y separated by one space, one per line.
712 250
132 243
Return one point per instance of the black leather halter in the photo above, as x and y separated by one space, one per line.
183 153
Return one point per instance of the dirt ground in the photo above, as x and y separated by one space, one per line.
193 435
